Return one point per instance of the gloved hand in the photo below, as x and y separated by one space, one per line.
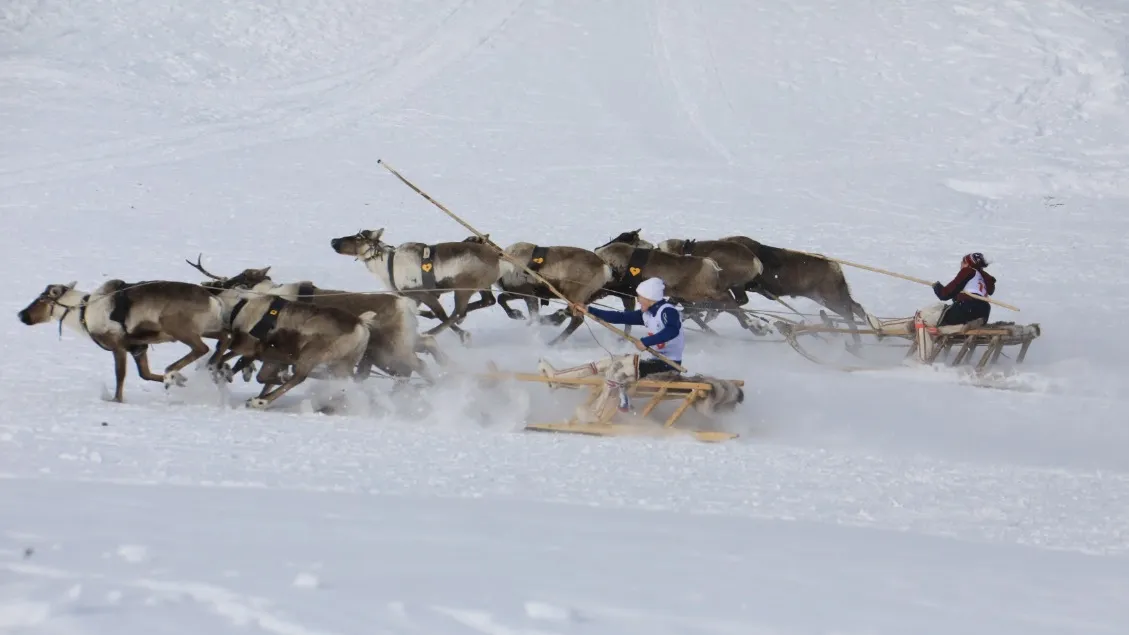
937 288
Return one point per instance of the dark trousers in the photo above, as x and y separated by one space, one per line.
655 366
965 312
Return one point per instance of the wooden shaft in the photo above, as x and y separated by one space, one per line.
904 277
531 272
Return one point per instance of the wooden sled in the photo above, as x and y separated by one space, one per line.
622 424
995 336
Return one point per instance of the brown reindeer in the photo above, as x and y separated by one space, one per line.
299 334
427 272
393 344
791 274
579 274
125 319
698 282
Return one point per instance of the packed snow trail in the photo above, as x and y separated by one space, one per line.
897 134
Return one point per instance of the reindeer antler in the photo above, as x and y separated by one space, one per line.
200 267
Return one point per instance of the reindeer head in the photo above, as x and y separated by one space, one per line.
364 244
247 278
630 238
679 246
42 308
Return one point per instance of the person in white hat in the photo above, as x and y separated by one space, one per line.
663 321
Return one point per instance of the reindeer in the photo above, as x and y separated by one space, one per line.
739 266
579 274
273 329
125 319
689 279
791 274
395 339
429 271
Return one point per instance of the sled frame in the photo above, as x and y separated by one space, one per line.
656 390
970 338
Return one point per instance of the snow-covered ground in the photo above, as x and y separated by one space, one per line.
898 134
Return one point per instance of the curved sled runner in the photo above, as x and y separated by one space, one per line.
690 391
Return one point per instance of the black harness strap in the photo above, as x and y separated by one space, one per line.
635 264
305 292
688 246
235 311
269 320
82 321
537 258
122 304
427 266
390 256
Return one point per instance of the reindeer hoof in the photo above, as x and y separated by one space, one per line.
257 403
464 337
174 378
221 374
248 372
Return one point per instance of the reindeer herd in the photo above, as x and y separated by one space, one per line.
296 329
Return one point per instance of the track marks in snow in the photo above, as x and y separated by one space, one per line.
116 591
668 44
307 106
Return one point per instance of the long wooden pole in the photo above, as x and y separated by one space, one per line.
531 272
905 277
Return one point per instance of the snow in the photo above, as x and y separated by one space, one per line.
897 134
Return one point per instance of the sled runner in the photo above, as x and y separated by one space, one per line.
690 391
967 339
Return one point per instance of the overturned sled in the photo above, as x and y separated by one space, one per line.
930 344
706 395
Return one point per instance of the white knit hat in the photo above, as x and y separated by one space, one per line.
651 288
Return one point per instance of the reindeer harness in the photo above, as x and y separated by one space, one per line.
635 264
537 258
426 267
267 323
120 311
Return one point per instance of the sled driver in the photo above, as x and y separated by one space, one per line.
970 281
663 321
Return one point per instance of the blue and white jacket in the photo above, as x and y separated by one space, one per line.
664 327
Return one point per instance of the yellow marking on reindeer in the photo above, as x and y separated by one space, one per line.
274 311
538 260
426 266
635 271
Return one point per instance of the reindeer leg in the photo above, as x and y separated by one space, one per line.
141 360
266 398
844 309
462 300
199 349
246 365
732 306
573 324
504 299
216 361
696 318
433 303
628 301
485 299
120 355
533 306
427 344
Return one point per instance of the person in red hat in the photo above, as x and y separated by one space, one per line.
967 290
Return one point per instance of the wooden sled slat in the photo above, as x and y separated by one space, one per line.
655 390
630 430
